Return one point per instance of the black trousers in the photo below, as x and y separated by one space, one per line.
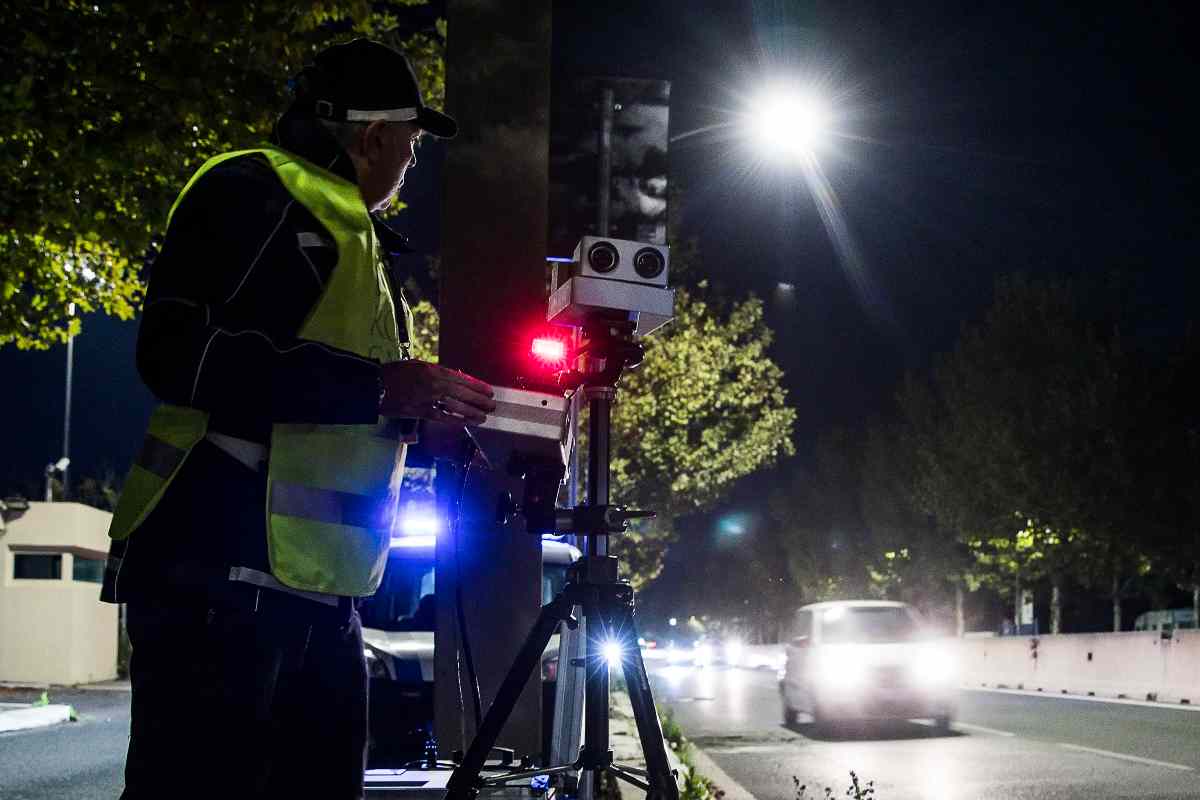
260 699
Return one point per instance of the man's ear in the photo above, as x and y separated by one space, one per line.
374 140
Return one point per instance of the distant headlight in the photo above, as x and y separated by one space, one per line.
733 652
934 666
843 668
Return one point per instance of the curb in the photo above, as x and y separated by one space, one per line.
702 763
22 719
720 779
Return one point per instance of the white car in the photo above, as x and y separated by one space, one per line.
398 625
866 660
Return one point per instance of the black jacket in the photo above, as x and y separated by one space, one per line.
241 267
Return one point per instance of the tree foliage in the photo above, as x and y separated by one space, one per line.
1025 459
1055 446
106 108
705 409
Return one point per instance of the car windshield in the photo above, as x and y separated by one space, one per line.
405 599
868 624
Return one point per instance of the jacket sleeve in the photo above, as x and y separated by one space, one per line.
227 293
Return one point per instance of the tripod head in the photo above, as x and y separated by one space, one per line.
607 348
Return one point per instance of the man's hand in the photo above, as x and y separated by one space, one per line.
420 390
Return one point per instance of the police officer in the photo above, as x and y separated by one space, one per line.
260 504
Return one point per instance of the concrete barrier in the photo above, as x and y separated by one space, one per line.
1141 666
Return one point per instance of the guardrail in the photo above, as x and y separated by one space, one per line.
1136 666
1139 666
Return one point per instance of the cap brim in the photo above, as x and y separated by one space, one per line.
436 122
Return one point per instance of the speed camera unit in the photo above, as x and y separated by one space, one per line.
622 260
610 277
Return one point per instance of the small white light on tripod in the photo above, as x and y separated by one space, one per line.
612 653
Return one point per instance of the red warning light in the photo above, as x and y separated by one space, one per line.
549 350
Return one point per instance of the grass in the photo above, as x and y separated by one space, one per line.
695 786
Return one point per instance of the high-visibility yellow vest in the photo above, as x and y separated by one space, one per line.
332 490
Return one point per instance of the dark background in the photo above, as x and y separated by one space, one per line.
974 141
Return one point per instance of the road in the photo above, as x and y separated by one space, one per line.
77 760
1005 746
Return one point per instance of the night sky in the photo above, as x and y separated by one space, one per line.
973 140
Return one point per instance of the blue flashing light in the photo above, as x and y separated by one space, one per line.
414 541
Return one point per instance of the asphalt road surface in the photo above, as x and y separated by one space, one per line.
77 760
1004 746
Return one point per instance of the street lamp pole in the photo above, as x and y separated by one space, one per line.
66 454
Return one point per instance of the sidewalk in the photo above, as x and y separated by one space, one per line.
627 749
23 716
21 709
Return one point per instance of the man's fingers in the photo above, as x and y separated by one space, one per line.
455 408
464 379
467 394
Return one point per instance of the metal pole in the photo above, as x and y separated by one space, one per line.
67 413
599 409
605 176
596 728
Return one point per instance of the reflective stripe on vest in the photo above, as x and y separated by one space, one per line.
172 433
327 505
332 489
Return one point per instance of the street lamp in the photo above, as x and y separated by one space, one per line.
790 123
55 468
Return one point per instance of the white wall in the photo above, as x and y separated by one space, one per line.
56 631
1133 665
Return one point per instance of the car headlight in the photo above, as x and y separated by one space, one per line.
842 668
733 652
934 666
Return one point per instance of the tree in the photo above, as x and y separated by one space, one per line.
912 558
705 409
1020 435
101 129
818 516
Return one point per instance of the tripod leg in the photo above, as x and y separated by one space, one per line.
464 783
658 769
595 752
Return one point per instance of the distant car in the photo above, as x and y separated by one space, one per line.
398 630
865 660
679 646
1168 619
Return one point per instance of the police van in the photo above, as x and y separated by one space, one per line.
398 627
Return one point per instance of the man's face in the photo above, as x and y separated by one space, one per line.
389 149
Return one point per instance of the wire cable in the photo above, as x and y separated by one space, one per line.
459 610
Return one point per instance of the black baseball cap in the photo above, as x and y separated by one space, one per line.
363 81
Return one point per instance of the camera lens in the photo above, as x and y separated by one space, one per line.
603 257
649 263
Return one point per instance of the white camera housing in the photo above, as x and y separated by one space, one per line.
622 260
616 285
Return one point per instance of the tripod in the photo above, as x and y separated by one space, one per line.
607 603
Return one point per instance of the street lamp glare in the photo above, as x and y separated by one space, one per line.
793 123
